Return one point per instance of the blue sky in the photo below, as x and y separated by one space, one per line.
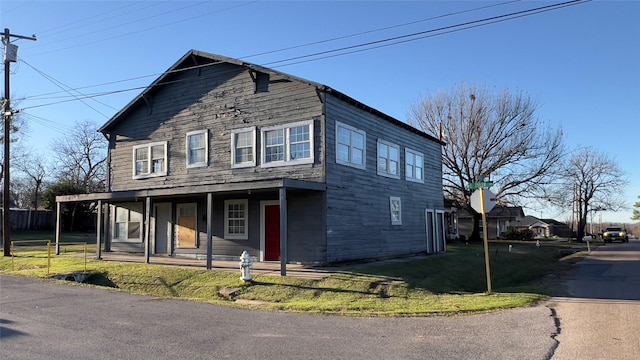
581 62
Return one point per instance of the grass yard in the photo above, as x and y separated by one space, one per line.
442 284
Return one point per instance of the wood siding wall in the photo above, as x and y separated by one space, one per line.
218 98
358 211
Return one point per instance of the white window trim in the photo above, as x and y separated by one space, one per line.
364 151
393 199
134 208
149 174
287 145
245 235
387 173
233 147
413 178
206 148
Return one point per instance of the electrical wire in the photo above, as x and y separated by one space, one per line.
367 46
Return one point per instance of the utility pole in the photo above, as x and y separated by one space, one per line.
10 55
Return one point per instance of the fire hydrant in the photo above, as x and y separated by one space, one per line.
245 266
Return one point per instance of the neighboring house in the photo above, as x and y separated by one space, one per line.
542 228
218 156
499 220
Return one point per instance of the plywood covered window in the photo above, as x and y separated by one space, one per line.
350 146
197 148
150 160
243 147
388 159
236 219
187 225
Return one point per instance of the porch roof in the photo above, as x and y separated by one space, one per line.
196 189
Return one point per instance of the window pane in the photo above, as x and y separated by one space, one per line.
357 140
393 167
299 134
300 151
382 164
274 145
344 136
120 230
357 156
134 230
394 154
343 152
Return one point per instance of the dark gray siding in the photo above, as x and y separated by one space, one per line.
358 212
219 99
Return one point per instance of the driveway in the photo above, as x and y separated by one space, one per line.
600 316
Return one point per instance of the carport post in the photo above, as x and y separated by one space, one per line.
209 231
57 228
99 231
283 231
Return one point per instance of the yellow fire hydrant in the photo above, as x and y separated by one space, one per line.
245 266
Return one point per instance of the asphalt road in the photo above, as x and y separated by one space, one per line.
42 319
600 316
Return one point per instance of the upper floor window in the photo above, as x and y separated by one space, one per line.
388 159
150 160
288 144
236 219
350 146
243 149
414 166
197 148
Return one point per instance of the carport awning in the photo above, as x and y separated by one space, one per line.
197 189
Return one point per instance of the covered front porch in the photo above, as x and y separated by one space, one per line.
306 195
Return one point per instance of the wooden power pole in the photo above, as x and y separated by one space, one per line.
10 55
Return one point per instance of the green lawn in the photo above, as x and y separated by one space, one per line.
442 284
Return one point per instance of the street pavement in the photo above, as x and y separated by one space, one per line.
45 319
600 316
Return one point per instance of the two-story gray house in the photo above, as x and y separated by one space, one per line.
218 156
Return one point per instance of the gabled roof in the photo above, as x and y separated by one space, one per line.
511 212
191 61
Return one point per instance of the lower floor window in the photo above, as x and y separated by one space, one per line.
236 219
128 223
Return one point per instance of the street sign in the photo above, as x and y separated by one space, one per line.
489 201
481 185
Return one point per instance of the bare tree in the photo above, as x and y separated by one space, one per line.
81 165
593 182
35 170
496 135
81 157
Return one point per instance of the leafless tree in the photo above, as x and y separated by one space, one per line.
34 170
494 135
593 182
81 157
81 164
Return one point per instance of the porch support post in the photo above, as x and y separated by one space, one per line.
283 231
99 231
58 219
107 228
147 227
209 231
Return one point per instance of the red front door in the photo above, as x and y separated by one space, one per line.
272 232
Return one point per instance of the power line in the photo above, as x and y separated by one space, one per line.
360 47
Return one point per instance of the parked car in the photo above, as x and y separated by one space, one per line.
615 233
